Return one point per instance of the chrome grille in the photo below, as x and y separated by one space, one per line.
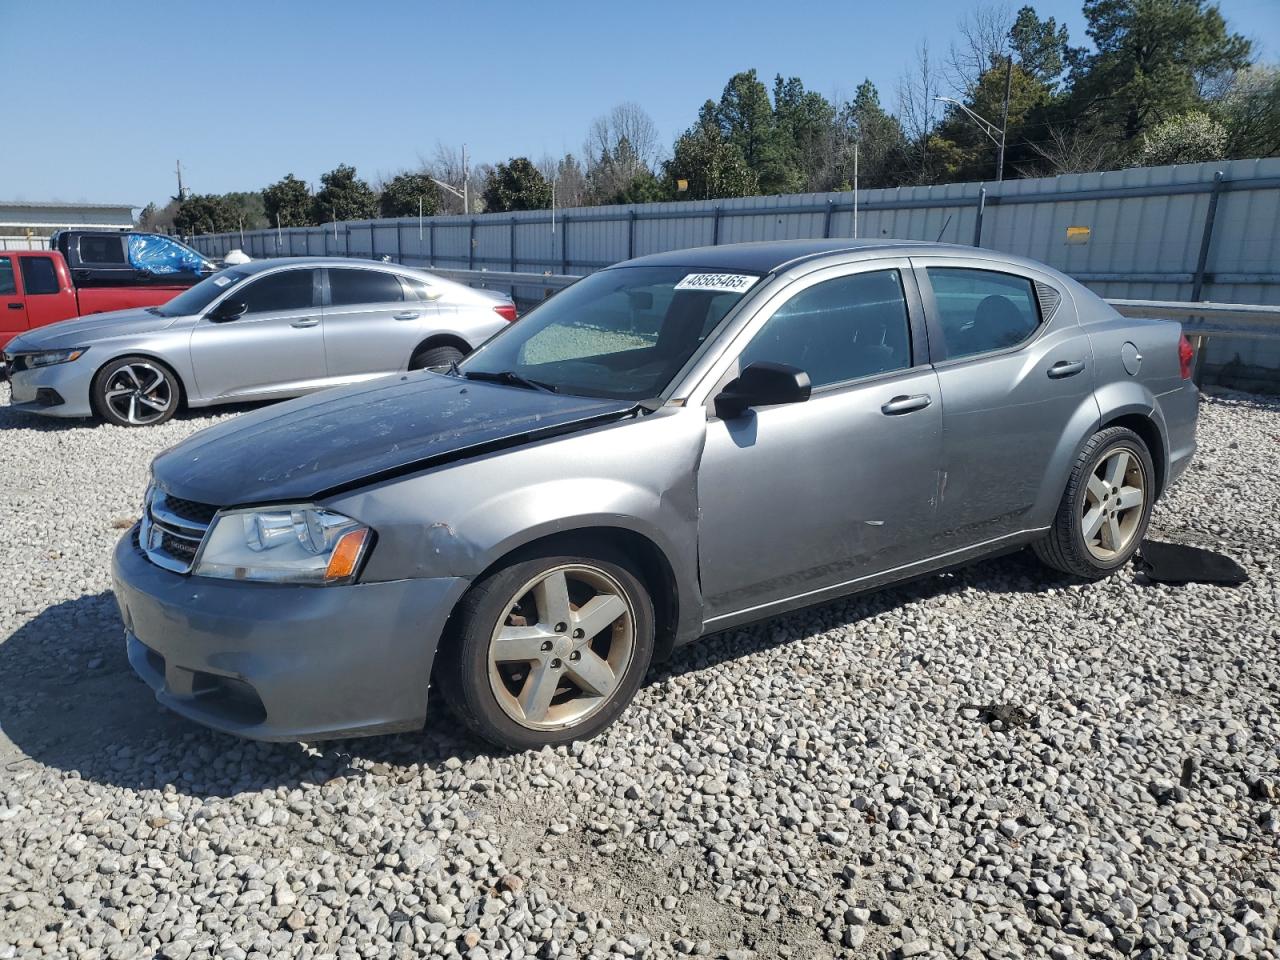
173 529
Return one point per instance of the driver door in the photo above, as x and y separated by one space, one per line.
808 498
275 349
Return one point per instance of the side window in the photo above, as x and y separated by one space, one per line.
102 249
840 329
287 290
417 290
981 310
7 284
39 276
348 287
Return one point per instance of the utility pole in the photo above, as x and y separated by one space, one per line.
181 195
1004 116
855 189
466 178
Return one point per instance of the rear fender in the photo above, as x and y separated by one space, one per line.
1082 425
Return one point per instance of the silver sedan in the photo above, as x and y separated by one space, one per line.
262 330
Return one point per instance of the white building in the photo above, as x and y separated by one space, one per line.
25 225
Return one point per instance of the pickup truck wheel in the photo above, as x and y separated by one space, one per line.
135 392
435 357
1105 509
547 650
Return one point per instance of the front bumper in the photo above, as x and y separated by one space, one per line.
60 390
282 662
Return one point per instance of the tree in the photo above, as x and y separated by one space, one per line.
745 117
1248 104
205 213
1039 47
805 128
447 166
626 123
974 156
248 207
407 194
343 196
1153 59
516 185
713 165
879 138
918 112
1193 137
983 41
288 203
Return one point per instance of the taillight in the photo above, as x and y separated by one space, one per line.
1185 357
507 311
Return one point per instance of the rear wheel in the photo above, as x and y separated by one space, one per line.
1106 507
135 392
429 357
547 650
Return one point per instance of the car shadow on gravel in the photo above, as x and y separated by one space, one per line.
69 699
11 419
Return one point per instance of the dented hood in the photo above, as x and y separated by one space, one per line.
339 439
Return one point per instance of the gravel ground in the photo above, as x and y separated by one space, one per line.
808 787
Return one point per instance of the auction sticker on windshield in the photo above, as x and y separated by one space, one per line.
724 282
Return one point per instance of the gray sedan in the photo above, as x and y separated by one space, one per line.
257 331
671 447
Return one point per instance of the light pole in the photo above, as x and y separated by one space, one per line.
985 125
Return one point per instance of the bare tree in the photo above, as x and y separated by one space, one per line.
918 111
446 166
629 124
1073 149
983 41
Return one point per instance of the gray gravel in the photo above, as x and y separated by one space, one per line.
806 788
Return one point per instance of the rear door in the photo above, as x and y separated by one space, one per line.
275 349
13 305
1014 370
371 322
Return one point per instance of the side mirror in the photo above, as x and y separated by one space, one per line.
228 310
762 384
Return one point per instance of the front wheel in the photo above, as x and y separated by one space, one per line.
547 650
135 392
1106 507
435 357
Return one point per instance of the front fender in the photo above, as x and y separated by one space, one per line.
636 475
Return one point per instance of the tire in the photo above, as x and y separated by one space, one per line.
135 391
428 357
1119 520
488 680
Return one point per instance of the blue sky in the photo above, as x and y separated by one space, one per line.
113 94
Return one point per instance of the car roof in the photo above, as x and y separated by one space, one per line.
257 266
770 256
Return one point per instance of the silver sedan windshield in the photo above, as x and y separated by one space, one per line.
195 299
622 333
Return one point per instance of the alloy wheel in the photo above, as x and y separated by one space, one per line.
139 393
1114 501
562 647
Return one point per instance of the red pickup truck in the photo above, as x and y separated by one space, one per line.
108 271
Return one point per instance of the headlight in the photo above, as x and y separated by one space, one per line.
48 358
295 544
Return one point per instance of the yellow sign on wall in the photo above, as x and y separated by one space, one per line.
1078 234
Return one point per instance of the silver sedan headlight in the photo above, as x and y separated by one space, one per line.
47 358
289 544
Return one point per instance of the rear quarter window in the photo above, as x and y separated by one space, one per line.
103 249
981 311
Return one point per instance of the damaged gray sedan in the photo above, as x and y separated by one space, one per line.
670 447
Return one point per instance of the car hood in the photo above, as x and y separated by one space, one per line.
339 439
85 331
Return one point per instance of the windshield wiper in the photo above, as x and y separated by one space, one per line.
509 377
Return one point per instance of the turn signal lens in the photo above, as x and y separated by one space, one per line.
1186 354
507 311
346 555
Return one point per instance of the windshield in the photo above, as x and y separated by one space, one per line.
196 299
622 333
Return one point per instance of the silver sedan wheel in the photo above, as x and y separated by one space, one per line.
1114 502
561 649
139 393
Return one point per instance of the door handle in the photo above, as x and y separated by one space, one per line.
1065 368
407 316
905 404
305 322
15 306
